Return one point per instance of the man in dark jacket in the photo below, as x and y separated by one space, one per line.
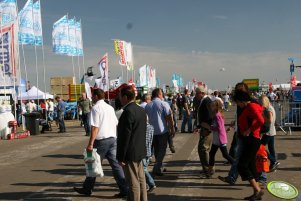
204 115
131 144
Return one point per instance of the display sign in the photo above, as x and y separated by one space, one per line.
253 84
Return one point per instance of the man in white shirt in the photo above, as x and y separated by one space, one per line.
103 138
226 101
145 100
271 95
31 106
50 109
215 97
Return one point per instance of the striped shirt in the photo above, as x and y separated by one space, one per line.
149 139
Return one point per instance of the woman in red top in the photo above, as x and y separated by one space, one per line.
250 122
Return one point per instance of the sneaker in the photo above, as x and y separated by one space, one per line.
226 180
82 191
151 189
274 166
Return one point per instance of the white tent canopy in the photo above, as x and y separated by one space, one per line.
34 93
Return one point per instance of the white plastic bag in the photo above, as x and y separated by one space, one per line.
93 164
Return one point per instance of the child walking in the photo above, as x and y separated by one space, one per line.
219 135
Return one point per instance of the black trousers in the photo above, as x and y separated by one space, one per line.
224 151
247 161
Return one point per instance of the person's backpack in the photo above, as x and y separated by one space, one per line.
265 128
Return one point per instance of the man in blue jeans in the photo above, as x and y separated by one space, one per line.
187 118
160 117
103 138
61 108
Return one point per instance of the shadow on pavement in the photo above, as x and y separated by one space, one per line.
290 168
73 156
186 198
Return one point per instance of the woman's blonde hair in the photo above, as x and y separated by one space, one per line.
219 106
264 101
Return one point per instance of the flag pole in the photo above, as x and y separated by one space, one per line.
20 74
72 60
36 60
3 66
82 45
43 59
108 82
79 74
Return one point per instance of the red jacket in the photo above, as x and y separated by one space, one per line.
251 118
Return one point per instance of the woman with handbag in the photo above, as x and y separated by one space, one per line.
250 122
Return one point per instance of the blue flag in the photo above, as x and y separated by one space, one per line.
26 33
60 36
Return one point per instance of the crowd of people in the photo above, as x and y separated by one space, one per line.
134 133
131 135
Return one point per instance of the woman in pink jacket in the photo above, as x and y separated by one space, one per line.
219 135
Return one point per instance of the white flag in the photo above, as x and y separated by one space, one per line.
37 23
26 33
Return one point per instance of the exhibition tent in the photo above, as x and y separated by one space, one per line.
34 93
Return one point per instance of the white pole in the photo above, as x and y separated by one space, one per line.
43 60
82 45
36 58
79 74
20 77
3 66
121 73
108 82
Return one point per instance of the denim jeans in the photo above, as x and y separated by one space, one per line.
226 105
233 173
262 178
269 140
86 121
61 121
106 148
160 145
50 115
148 177
186 119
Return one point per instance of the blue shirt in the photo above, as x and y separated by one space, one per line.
157 111
61 106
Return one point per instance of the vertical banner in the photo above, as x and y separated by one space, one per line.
8 10
122 59
60 36
104 71
8 56
26 33
143 76
72 41
78 39
88 90
37 24
129 56
116 47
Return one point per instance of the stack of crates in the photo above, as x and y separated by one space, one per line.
59 86
75 91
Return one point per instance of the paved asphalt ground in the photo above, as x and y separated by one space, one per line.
47 166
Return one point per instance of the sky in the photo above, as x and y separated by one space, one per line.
193 38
